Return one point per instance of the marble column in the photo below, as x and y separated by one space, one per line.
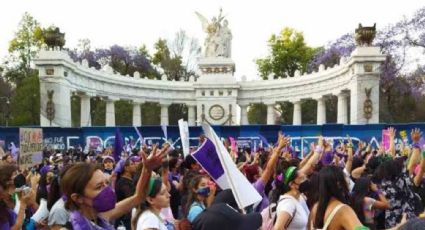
321 111
110 113
164 114
137 114
342 112
244 114
297 117
191 115
270 113
85 119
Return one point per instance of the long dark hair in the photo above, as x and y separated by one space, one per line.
282 186
312 194
331 184
192 196
42 188
55 190
360 190
156 188
6 172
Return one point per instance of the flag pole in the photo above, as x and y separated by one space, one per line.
224 166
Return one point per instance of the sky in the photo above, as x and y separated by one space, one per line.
137 22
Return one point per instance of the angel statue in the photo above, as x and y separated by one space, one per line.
218 40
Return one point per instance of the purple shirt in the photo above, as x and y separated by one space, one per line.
259 185
6 225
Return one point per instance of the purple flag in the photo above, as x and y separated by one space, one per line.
118 145
264 140
207 157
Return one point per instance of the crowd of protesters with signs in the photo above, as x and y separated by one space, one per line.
344 186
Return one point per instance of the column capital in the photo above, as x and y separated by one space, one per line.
296 101
243 104
113 99
343 94
269 103
165 103
190 104
138 101
319 98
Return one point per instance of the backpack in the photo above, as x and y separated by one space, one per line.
269 216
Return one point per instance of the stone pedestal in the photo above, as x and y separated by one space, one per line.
364 85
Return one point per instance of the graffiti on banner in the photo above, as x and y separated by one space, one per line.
31 147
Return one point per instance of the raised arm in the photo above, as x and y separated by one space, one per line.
149 163
306 169
392 132
349 164
271 164
416 151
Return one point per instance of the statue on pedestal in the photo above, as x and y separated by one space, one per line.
219 37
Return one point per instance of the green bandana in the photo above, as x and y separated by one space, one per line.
288 173
150 185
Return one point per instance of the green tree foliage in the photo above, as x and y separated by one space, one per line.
288 53
25 104
257 114
27 42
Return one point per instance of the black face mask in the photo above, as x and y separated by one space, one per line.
304 186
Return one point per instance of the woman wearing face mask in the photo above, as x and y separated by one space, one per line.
292 210
92 202
149 214
199 197
8 218
108 164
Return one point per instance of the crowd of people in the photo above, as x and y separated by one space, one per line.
343 186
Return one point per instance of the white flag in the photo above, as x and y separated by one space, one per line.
184 136
244 192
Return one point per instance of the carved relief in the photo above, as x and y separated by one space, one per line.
50 106
368 105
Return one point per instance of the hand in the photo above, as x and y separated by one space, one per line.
256 157
26 198
373 187
320 141
312 146
391 132
155 158
416 135
282 141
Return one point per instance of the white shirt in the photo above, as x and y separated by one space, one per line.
290 205
149 220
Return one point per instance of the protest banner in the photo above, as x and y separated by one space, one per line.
184 136
30 147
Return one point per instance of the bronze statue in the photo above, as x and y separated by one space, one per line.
364 35
53 37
